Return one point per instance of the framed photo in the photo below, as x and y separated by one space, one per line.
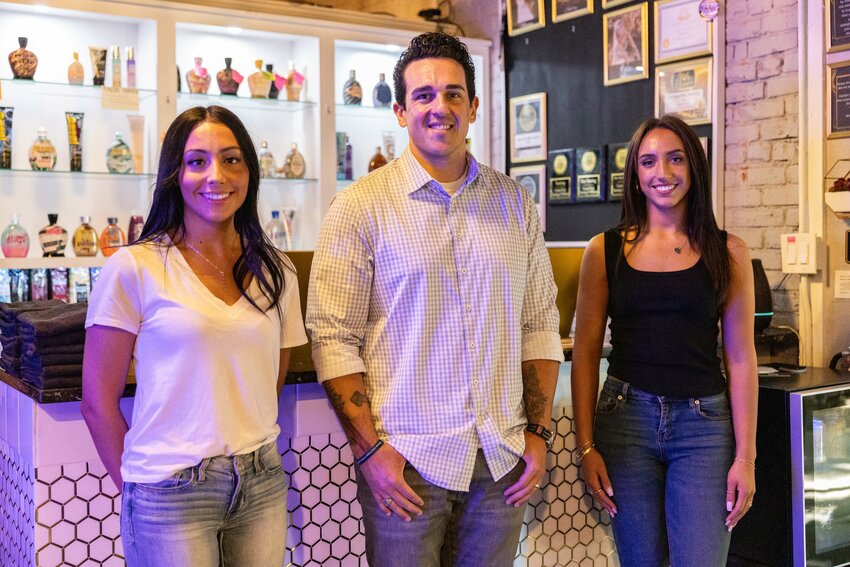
568 9
837 25
684 89
839 100
611 3
680 32
528 127
624 44
524 16
533 178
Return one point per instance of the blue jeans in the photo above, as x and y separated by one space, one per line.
225 511
667 460
462 529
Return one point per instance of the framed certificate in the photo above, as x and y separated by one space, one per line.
528 128
624 45
616 170
533 178
589 175
524 16
568 9
684 89
561 167
837 25
839 100
680 32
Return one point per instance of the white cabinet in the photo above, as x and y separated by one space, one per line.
167 36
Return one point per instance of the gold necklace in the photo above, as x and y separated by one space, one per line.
205 259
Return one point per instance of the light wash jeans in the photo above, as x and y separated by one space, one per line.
667 460
456 529
228 511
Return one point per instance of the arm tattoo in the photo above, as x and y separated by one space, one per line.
534 399
358 398
338 404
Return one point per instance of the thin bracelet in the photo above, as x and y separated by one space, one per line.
745 461
584 451
372 450
584 446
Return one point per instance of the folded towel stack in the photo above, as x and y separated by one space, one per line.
50 347
10 340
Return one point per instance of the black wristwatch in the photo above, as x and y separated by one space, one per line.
541 432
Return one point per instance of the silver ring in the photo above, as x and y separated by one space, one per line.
388 502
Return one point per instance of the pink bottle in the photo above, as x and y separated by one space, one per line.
134 231
14 240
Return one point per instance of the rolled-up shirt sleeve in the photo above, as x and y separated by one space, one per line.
339 294
541 337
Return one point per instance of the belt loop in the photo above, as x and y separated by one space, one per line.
257 460
624 390
203 469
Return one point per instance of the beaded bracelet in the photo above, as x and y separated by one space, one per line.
745 461
372 450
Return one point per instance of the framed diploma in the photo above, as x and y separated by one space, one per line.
680 32
561 167
617 155
533 178
589 175
524 16
624 45
839 100
838 25
528 128
568 9
684 89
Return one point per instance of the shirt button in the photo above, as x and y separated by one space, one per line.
696 402
463 271
475 382
471 345
468 307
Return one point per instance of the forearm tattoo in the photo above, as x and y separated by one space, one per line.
533 397
358 398
338 403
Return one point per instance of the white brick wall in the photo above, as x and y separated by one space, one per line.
761 175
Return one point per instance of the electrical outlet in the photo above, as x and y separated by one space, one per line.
799 253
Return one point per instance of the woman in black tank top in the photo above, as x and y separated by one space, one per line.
669 451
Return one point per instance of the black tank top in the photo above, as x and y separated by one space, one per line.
664 327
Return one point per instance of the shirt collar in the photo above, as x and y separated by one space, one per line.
421 178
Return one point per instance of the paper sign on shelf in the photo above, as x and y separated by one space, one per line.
842 284
119 99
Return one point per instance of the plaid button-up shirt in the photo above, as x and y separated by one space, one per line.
438 300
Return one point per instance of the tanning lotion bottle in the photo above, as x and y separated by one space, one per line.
112 237
85 238
352 93
267 165
53 237
75 71
377 160
15 241
42 152
137 223
116 67
131 68
382 96
295 165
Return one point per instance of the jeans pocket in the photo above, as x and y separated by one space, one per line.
271 459
713 408
608 402
180 480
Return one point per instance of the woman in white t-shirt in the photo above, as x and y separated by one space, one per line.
209 310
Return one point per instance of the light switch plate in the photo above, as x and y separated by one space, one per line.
799 253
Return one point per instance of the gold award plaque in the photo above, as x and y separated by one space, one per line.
588 162
620 158
559 164
527 117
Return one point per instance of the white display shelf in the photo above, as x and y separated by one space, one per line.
365 111
279 182
52 262
56 174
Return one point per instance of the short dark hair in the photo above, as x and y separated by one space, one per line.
701 226
259 256
431 45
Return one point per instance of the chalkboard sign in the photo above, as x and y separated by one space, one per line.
838 18
839 101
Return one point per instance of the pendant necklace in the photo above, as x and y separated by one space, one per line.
205 259
678 249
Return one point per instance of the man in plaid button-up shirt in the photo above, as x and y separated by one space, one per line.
435 331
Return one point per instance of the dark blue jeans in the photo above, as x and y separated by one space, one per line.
667 460
456 529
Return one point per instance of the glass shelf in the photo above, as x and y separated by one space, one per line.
242 102
65 90
30 263
271 182
62 174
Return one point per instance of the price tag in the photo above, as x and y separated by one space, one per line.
119 99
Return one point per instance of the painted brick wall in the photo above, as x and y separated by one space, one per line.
761 176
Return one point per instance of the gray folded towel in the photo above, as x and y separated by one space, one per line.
50 322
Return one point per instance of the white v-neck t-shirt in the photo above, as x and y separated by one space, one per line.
206 372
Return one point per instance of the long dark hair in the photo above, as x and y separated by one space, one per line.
259 256
703 233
